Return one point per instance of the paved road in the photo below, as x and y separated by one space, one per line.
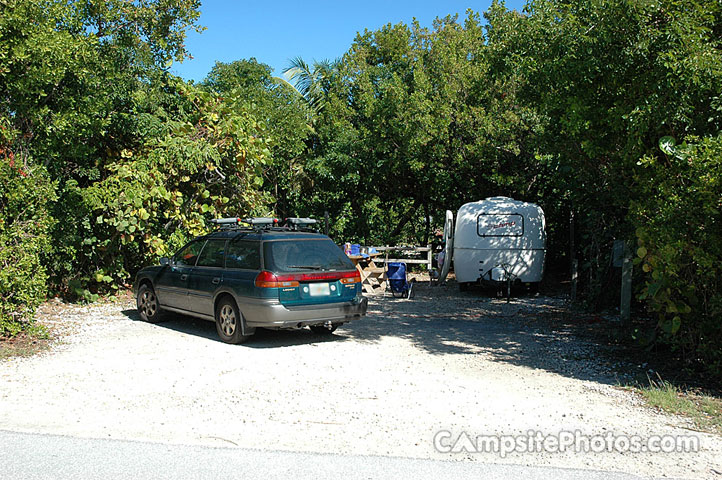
34 456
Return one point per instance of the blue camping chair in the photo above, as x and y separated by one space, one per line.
396 276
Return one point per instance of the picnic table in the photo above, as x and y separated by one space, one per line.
372 276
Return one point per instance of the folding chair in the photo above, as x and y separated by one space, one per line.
396 278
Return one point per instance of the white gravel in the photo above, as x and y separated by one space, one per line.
383 385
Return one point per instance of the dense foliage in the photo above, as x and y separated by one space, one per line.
680 244
577 106
24 223
414 124
128 160
204 160
615 81
284 114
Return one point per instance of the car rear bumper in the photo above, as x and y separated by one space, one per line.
272 314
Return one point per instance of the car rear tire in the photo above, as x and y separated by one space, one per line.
148 306
323 329
228 322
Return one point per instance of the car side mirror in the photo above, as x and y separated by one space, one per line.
165 261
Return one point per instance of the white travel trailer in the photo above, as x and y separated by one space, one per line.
496 240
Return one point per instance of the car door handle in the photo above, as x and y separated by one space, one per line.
184 276
216 280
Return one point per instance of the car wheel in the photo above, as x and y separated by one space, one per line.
228 322
323 329
148 306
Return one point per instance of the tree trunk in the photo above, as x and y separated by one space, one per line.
405 219
427 229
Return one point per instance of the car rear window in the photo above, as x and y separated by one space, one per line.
304 256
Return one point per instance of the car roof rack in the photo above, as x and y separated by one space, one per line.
261 224
228 223
301 224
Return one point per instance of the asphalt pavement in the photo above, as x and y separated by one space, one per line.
39 456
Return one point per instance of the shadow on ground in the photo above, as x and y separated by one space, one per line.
529 331
262 339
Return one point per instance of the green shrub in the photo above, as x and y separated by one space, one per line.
205 160
680 245
24 223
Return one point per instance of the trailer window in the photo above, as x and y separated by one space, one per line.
500 225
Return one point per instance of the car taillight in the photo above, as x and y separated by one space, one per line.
268 280
341 276
354 279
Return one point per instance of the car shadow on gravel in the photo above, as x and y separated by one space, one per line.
262 339
288 338
529 331
180 323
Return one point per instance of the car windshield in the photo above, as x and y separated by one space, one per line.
304 256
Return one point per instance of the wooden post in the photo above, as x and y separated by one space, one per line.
508 288
572 252
575 266
625 304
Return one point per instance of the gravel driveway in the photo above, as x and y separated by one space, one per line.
447 361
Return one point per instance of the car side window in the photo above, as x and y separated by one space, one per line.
212 254
243 254
189 254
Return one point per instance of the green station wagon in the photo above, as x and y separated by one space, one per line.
263 275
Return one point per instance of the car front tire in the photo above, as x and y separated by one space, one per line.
228 322
148 306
